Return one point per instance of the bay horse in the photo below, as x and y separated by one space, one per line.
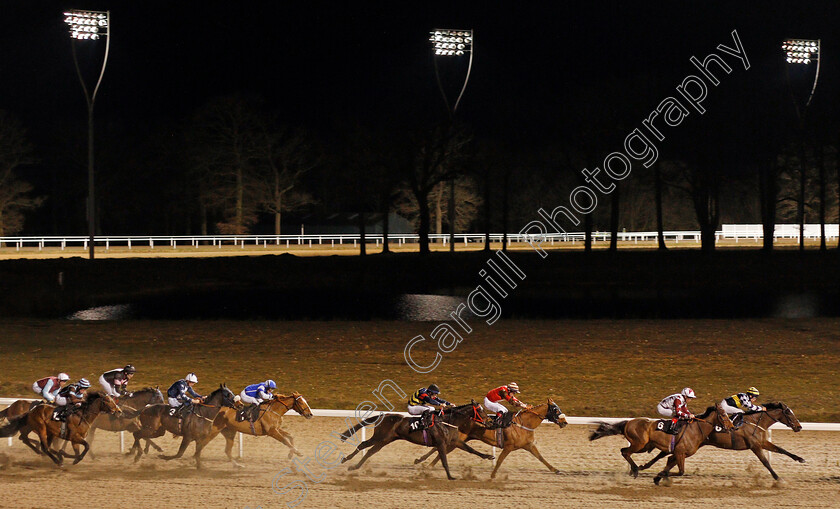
131 407
519 435
442 435
155 421
77 424
752 435
644 437
19 407
267 424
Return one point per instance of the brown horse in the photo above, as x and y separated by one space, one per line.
156 420
644 437
19 407
519 435
268 423
752 435
40 421
131 407
442 435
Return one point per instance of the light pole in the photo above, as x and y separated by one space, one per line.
89 26
445 44
802 52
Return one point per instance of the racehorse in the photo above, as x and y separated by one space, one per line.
441 435
752 435
156 420
268 423
127 421
644 437
519 435
19 407
77 424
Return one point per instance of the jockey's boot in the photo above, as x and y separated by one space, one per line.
254 412
737 420
427 418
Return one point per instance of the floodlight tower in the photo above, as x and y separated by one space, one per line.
802 52
89 26
448 43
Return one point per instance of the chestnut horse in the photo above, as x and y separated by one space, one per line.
752 435
155 421
40 421
19 407
442 435
519 435
268 423
644 437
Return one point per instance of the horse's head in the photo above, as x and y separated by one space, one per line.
479 414
157 398
783 414
221 397
723 418
102 402
300 405
555 415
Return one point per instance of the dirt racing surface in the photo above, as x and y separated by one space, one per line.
593 474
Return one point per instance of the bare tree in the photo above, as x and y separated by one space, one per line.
468 201
287 155
15 152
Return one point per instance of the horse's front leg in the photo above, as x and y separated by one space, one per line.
185 441
532 448
672 460
769 446
650 463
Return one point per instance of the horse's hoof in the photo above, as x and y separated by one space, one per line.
801 460
557 472
452 478
656 480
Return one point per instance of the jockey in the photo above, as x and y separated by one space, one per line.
505 392
257 393
115 382
424 399
675 407
73 394
48 387
741 402
181 392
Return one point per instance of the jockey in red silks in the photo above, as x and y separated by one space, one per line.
505 392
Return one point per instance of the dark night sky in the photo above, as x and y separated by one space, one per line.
319 62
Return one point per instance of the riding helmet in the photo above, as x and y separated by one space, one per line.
129 369
752 391
433 389
83 383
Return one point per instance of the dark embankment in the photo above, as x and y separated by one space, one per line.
565 284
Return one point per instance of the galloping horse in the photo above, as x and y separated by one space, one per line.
156 420
644 437
19 407
268 423
127 421
442 435
752 435
519 435
40 421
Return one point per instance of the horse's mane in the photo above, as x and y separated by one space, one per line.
706 413
774 405
91 397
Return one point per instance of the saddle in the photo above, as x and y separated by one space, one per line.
181 412
61 413
249 413
502 422
424 422
669 426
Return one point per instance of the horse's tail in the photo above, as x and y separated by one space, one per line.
352 431
15 424
606 429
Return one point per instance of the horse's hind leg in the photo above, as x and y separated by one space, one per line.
627 452
361 447
769 446
45 447
441 448
532 448
185 441
460 444
424 457
650 463
373 450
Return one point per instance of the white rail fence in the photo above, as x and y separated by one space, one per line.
320 412
736 232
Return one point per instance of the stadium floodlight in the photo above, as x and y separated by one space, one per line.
802 51
451 43
89 26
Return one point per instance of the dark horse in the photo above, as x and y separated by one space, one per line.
752 435
445 433
519 435
131 407
644 437
40 421
156 420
